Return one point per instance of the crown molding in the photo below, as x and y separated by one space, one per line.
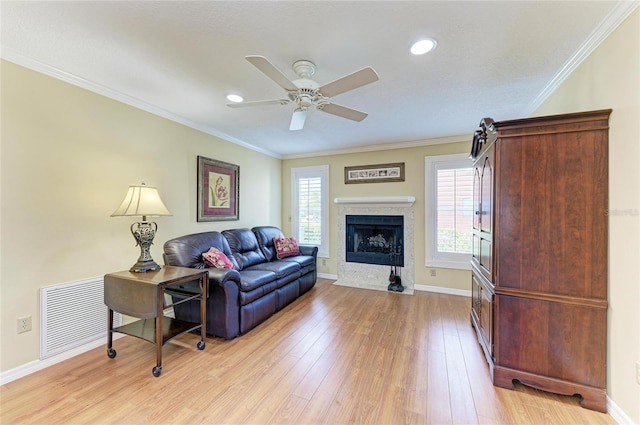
610 22
51 71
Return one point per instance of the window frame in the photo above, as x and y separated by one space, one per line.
434 258
321 171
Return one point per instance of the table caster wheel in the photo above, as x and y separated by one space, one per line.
201 345
157 371
111 353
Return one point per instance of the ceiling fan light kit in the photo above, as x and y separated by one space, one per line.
305 92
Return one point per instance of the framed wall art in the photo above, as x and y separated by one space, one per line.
377 173
218 190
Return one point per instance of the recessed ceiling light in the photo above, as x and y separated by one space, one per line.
235 98
423 46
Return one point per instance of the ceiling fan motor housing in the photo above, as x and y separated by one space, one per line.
305 92
305 97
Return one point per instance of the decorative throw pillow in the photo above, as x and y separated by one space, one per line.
216 258
286 247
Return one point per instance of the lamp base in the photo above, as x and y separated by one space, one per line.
145 266
143 233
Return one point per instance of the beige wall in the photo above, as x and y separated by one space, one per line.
610 78
68 156
412 186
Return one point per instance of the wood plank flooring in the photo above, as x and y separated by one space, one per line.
337 355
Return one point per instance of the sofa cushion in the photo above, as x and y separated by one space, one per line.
280 268
286 247
265 236
244 247
216 258
302 260
186 251
252 279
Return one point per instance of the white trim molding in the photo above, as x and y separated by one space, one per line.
37 365
610 22
377 201
443 290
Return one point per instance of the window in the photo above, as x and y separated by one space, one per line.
448 211
310 206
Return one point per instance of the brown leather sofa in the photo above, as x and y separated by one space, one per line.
261 285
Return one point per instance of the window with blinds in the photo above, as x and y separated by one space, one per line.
448 211
310 206
454 217
310 210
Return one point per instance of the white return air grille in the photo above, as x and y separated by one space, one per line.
73 314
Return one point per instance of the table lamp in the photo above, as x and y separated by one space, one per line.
143 201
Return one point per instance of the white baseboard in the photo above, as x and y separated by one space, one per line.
328 276
441 290
36 365
617 414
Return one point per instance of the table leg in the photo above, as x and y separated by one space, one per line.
159 315
111 353
203 310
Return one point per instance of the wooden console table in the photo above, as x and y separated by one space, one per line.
141 295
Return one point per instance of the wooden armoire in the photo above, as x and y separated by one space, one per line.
539 265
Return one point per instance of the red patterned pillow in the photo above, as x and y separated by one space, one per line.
286 247
216 258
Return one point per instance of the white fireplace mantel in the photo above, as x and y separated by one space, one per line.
377 201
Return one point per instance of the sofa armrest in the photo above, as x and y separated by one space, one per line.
218 277
309 250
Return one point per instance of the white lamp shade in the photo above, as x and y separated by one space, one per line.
141 201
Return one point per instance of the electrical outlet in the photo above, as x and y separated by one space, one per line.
433 272
324 262
24 324
638 372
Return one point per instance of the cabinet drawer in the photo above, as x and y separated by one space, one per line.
556 339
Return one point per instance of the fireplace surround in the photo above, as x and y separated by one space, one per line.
375 276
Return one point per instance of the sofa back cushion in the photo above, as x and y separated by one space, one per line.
186 251
265 236
244 247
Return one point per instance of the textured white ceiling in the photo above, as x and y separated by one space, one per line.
180 59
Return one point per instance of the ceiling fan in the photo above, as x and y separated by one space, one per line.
305 92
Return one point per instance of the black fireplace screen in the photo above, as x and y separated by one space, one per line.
375 239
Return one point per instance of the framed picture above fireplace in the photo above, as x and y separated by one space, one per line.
378 173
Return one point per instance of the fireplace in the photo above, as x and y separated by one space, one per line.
375 239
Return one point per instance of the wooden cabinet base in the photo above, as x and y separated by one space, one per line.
481 341
592 398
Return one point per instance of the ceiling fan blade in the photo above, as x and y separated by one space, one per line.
272 72
342 111
298 118
349 82
259 103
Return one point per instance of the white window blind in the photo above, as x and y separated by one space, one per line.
310 210
310 206
449 211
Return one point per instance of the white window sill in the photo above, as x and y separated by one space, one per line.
460 265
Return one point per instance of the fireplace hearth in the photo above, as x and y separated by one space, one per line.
375 239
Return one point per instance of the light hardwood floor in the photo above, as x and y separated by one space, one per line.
337 355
